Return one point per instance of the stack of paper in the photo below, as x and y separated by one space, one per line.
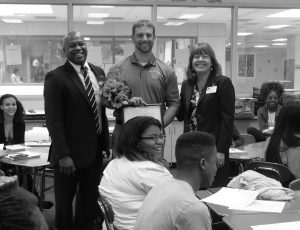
15 147
232 198
22 155
294 225
244 200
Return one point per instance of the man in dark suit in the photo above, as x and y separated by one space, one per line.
79 134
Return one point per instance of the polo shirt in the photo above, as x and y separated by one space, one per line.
155 82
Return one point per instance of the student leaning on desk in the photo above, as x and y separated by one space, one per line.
284 145
12 131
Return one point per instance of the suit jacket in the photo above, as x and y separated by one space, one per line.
69 117
215 111
262 116
19 133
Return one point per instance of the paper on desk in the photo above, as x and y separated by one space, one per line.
15 147
294 225
232 197
37 134
234 150
263 206
22 155
38 143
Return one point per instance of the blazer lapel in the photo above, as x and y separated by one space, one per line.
72 75
188 92
210 82
97 74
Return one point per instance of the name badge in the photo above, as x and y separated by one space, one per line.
212 89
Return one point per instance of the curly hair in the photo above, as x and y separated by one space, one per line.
202 48
267 87
130 137
20 113
287 125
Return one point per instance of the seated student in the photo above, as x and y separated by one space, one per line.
284 145
12 131
173 203
138 167
271 93
18 207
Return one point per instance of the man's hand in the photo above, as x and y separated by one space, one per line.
137 101
221 160
66 165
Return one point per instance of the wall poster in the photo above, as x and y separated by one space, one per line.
246 65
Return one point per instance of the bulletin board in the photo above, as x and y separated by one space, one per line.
13 55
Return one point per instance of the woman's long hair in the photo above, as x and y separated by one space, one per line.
20 112
130 136
206 49
287 126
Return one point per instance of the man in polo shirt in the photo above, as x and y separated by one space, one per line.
150 80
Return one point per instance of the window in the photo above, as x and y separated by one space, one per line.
268 43
30 41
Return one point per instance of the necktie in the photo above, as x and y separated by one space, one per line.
91 96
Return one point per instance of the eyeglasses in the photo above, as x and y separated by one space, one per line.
155 138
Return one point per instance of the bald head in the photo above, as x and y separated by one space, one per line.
75 48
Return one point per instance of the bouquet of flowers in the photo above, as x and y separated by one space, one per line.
114 93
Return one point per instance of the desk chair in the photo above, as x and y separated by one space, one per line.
105 212
295 184
276 171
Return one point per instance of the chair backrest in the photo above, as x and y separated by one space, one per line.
248 138
276 171
107 212
295 184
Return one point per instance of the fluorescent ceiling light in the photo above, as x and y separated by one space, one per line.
86 38
14 9
294 13
98 15
103 7
279 44
95 22
190 16
12 20
280 40
174 23
276 26
261 46
244 33
239 43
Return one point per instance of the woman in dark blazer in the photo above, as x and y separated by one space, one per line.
207 104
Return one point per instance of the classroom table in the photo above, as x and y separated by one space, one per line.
253 151
37 166
245 221
290 206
